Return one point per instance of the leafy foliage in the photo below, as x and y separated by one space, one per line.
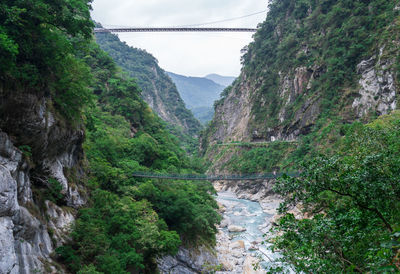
119 233
37 40
131 221
54 191
46 48
260 159
354 199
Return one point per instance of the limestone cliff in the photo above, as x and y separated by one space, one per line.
38 152
306 69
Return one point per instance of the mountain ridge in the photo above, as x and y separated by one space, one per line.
198 93
157 88
221 79
296 78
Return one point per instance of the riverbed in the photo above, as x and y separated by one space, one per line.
241 238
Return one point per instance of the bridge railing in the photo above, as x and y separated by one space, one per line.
218 177
173 29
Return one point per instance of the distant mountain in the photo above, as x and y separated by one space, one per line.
203 114
222 80
158 89
198 93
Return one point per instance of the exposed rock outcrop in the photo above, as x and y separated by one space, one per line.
48 148
288 89
236 228
235 116
377 86
188 261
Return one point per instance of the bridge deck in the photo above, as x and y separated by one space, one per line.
183 29
212 177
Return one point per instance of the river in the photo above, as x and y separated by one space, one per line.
250 216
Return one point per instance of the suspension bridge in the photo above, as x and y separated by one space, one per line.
204 177
174 29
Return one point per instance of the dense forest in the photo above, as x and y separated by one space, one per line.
353 197
132 221
47 49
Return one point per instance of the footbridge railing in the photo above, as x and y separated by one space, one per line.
224 177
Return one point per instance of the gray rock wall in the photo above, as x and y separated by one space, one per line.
31 227
377 87
189 261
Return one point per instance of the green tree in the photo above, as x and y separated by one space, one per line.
38 41
354 200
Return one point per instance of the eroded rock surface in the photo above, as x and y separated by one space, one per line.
35 146
377 90
188 261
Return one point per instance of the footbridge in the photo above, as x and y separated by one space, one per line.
174 29
204 177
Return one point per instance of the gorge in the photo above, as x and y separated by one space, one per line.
79 113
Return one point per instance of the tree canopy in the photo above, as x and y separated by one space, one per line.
353 197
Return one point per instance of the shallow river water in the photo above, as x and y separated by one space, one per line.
249 215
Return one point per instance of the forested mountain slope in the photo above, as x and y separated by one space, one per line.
318 94
73 128
157 88
132 221
313 66
198 93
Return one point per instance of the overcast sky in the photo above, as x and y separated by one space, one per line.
194 54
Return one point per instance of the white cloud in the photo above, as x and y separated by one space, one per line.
194 54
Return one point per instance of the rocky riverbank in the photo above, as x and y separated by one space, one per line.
256 191
249 209
240 247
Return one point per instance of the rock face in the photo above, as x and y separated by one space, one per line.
48 148
236 228
231 118
189 260
236 118
377 86
288 89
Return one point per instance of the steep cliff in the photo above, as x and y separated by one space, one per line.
42 92
312 67
40 168
157 88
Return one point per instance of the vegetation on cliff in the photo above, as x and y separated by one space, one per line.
132 221
315 68
157 88
353 196
303 75
37 51
47 49
330 37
